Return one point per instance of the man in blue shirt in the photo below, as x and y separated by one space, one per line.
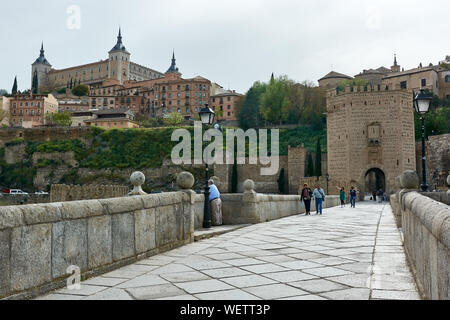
215 204
319 195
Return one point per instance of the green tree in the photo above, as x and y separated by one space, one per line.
446 63
35 83
81 90
274 102
310 166
3 92
247 108
437 122
173 119
71 83
351 82
281 182
14 88
318 166
63 119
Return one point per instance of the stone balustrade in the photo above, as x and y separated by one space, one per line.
426 230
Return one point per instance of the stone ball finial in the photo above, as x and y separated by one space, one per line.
216 181
137 179
185 180
249 185
409 180
398 183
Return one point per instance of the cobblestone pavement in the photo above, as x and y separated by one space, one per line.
346 254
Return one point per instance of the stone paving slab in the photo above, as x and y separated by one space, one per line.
346 254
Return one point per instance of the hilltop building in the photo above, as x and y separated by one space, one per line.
118 66
432 77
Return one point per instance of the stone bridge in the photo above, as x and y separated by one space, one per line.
142 247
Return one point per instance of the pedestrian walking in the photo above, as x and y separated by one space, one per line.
374 196
342 196
353 195
319 196
380 196
306 196
216 204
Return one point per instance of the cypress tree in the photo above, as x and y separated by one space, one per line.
318 166
14 88
35 84
281 183
71 83
310 166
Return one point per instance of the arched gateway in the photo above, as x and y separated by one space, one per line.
375 180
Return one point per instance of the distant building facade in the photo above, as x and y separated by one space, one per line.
112 119
30 110
154 98
4 105
431 77
224 102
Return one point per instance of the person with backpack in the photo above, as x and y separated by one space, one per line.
306 196
353 195
319 196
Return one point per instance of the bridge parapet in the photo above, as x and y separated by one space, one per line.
426 228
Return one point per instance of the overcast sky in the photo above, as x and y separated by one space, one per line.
232 42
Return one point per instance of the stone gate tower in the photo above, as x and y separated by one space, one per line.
370 137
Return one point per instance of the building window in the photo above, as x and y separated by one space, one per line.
403 85
447 78
424 82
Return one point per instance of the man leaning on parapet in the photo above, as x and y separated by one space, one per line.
216 204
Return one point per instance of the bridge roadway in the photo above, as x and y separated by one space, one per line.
346 254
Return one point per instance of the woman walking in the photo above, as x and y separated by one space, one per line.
306 198
342 197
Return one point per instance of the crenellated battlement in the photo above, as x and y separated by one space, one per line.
366 89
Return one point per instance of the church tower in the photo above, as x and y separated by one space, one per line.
41 67
119 61
396 66
173 72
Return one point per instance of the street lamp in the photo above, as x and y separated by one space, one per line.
422 103
207 119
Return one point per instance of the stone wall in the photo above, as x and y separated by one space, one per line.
42 134
426 230
438 160
252 208
39 242
62 193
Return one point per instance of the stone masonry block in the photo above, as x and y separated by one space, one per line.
145 235
5 261
10 217
123 245
167 228
30 256
69 246
81 209
42 213
99 241
122 205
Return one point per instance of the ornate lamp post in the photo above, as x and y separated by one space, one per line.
422 103
327 176
207 118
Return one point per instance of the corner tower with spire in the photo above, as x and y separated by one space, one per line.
396 66
41 67
119 61
173 72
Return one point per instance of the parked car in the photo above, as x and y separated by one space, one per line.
6 190
41 193
18 192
